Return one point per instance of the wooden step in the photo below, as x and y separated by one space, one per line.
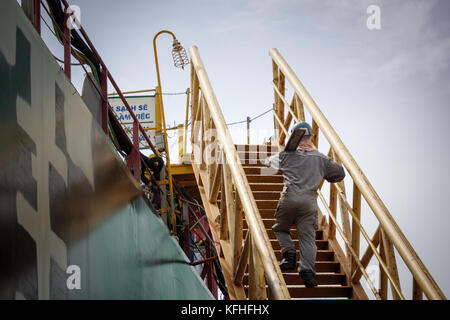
267 204
321 244
321 279
271 234
264 179
255 148
325 266
322 255
274 187
299 291
268 223
293 278
267 213
266 195
264 171
262 195
255 165
258 160
319 266
252 158
264 204
252 154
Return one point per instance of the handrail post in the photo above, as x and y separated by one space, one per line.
104 84
333 210
185 135
67 54
133 160
37 15
181 144
355 229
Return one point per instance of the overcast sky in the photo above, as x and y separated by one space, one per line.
386 92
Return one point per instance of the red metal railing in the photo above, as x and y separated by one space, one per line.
134 158
133 161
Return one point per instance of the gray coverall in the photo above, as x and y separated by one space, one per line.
302 172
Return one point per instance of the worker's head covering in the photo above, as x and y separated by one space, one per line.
306 143
303 125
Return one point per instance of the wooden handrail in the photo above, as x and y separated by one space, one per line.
390 227
259 235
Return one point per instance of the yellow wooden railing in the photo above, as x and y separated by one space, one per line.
388 235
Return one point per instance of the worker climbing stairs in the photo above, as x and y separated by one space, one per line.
266 188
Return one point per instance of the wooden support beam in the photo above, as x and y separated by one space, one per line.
194 89
417 293
315 132
383 291
211 154
391 263
291 112
236 244
300 111
276 98
205 124
333 209
280 125
215 187
343 209
195 127
290 115
368 254
230 207
281 89
243 261
194 99
356 233
223 210
256 281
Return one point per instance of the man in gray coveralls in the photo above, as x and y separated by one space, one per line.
303 170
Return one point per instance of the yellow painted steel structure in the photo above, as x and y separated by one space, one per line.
161 126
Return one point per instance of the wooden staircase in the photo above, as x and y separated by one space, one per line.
266 188
251 193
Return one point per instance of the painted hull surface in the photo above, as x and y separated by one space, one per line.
73 223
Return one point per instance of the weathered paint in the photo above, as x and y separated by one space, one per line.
65 196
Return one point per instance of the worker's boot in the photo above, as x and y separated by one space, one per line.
289 260
308 278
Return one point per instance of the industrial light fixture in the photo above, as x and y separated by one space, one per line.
180 58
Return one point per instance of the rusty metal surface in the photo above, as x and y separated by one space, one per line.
66 198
